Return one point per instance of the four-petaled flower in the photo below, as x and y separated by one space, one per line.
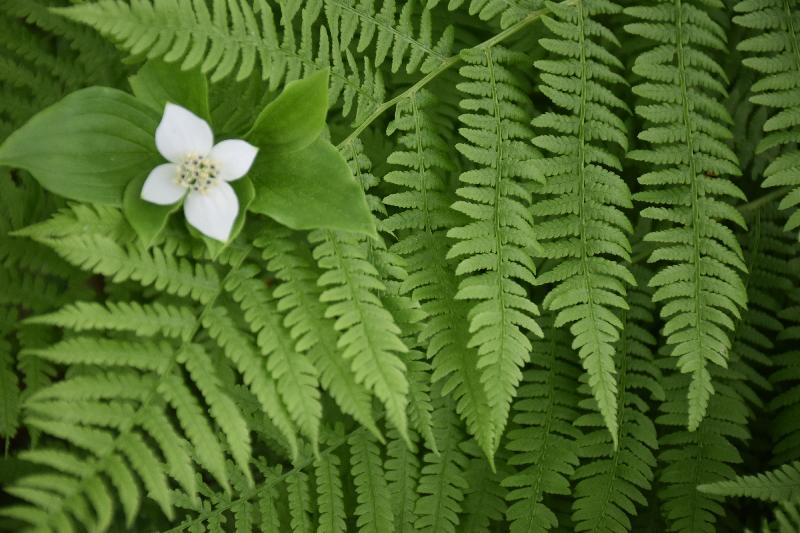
199 170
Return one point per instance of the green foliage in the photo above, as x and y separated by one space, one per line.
774 43
686 131
475 162
583 195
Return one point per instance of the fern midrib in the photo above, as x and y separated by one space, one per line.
500 363
441 493
601 384
98 465
693 175
537 494
372 499
421 157
622 391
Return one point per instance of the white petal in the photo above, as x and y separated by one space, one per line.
160 186
181 132
213 212
233 158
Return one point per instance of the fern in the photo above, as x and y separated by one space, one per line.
610 487
496 245
585 226
296 380
779 40
781 484
687 129
423 203
374 511
543 444
314 333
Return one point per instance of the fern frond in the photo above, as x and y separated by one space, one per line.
774 45
423 216
693 458
239 36
240 350
402 474
299 299
293 373
143 319
102 255
374 510
582 201
615 480
369 337
391 33
542 441
330 497
687 128
441 484
299 502
785 405
495 247
485 500
781 484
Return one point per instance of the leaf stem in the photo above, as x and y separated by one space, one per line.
761 201
445 65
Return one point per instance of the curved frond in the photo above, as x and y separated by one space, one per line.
581 203
686 130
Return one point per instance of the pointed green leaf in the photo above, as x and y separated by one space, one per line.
88 146
158 82
295 119
310 188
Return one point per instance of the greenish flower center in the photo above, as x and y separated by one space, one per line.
197 173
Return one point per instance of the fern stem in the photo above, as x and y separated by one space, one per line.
445 65
762 201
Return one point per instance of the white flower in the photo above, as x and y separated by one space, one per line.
199 170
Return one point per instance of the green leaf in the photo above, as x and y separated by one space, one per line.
158 82
88 146
295 119
146 218
310 188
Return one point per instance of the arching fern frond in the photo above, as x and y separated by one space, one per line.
421 166
441 484
705 455
369 338
314 333
687 128
495 247
542 441
581 203
613 484
774 41
781 484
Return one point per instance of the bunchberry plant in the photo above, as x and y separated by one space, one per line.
416 266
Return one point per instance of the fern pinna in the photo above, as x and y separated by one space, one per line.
560 293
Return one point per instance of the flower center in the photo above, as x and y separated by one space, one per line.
197 173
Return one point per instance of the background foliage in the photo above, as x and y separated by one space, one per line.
582 312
